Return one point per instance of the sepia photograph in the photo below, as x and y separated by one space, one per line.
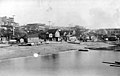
59 37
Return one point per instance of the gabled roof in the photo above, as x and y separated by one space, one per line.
52 30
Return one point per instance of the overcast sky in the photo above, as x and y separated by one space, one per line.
88 13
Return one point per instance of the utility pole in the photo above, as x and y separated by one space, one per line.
49 23
13 16
13 25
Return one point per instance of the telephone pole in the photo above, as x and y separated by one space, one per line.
49 23
13 25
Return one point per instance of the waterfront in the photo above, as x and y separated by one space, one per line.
58 59
72 63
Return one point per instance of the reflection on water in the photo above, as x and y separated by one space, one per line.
74 63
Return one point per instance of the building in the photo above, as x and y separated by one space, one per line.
35 26
102 31
109 32
8 26
8 21
113 31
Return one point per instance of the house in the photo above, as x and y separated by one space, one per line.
53 31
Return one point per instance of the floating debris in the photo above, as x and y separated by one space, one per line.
108 62
83 50
113 64
117 62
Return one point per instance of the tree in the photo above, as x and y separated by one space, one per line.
79 30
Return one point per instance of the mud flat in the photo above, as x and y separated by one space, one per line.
44 49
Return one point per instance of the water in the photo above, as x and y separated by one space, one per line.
109 48
72 63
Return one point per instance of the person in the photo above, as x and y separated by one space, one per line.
57 35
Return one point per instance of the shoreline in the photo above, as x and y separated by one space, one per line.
44 49
24 51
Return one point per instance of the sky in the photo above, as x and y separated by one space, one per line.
88 13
